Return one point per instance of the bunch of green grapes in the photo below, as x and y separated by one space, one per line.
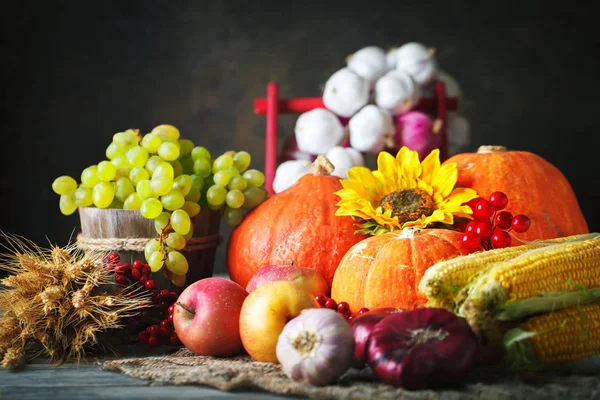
168 180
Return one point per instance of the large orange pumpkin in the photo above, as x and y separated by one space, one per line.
385 270
299 225
534 187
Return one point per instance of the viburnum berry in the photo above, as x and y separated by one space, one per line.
343 307
174 340
170 318
150 284
363 310
166 324
153 341
114 258
171 309
321 299
520 223
484 210
121 268
470 240
137 264
471 227
503 220
500 239
154 330
484 231
331 303
351 318
472 203
121 279
143 336
146 270
135 275
143 279
499 200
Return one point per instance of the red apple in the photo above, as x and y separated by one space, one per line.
207 316
309 279
264 314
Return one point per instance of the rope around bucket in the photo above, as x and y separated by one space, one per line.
87 243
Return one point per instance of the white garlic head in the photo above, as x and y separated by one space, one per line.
418 61
344 158
396 92
370 63
345 93
390 58
288 173
318 130
371 129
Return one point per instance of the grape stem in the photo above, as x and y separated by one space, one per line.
189 309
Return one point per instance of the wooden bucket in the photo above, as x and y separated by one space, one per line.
127 231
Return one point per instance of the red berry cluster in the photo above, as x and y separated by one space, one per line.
138 273
342 307
491 225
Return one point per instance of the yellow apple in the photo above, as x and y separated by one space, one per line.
266 311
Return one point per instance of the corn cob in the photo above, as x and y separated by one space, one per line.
545 276
560 337
442 281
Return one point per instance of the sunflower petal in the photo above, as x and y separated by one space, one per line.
430 166
446 178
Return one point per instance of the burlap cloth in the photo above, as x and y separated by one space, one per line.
185 368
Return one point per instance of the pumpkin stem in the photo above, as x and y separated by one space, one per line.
322 166
491 149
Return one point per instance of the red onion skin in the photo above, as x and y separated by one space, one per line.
361 327
398 360
414 130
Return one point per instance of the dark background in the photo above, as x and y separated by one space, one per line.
74 73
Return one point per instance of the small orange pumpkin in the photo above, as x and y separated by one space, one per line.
385 270
297 225
534 187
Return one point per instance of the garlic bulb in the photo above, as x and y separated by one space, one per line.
390 57
397 92
316 347
371 130
288 173
453 89
369 63
418 61
318 130
345 93
344 158
458 134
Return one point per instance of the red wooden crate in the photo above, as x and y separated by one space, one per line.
272 106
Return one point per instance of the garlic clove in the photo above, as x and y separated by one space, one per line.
344 158
318 130
459 134
397 92
345 93
369 63
288 173
418 61
370 129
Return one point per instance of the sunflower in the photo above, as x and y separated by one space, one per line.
404 192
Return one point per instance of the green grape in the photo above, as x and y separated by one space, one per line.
180 222
175 241
215 195
200 152
172 200
127 139
84 196
230 153
241 160
64 185
116 204
137 156
151 142
189 235
222 177
254 177
115 149
152 163
120 162
155 261
106 171
193 195
233 216
160 186
191 208
151 208
67 204
234 172
89 176
234 198
253 197
137 174
183 184
238 183
133 202
222 162
122 172
167 130
185 146
202 167
177 263
152 246
187 164
143 189
103 194
162 221
123 188
177 167
164 170
168 151
197 181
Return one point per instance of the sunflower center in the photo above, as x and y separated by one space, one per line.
408 204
